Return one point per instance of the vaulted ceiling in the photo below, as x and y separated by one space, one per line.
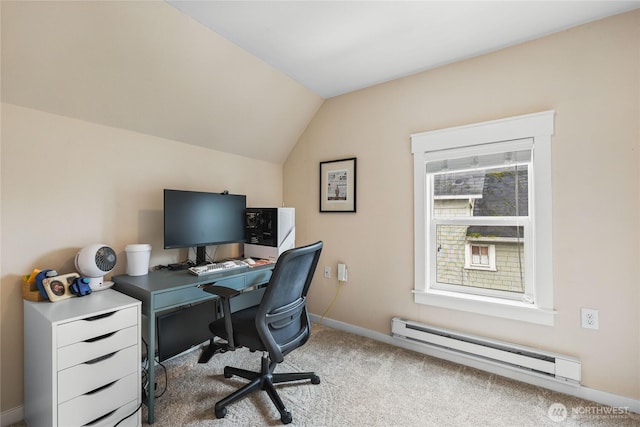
245 77
333 47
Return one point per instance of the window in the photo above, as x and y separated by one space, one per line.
480 257
482 196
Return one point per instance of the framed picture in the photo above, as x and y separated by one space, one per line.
338 185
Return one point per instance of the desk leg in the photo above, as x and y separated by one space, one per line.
151 356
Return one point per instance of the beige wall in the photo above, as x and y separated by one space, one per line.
147 67
68 183
590 76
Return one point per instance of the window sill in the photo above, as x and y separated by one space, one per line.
514 310
479 268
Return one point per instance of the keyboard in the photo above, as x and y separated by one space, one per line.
216 267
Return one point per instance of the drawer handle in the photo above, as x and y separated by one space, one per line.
101 337
101 388
99 316
97 420
99 359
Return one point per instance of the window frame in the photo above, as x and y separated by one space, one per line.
538 308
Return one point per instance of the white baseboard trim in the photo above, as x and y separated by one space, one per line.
579 391
12 416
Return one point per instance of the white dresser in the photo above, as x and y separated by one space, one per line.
82 361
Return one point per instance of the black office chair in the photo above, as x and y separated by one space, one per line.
277 326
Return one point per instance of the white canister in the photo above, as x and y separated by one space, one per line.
138 259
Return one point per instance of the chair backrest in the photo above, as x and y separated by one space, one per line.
282 320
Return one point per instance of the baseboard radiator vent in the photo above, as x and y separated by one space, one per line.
486 354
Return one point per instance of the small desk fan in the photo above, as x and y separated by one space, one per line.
93 262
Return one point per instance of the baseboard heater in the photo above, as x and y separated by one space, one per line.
486 352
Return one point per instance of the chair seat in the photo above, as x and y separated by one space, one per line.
244 329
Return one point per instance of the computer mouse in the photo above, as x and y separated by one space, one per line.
249 261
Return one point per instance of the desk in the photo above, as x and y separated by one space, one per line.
163 290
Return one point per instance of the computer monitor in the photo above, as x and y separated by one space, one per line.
201 219
182 329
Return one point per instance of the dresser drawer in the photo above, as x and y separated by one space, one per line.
233 283
86 377
91 406
95 326
194 294
178 297
259 277
113 417
83 351
247 299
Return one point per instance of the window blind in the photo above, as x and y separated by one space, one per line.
479 156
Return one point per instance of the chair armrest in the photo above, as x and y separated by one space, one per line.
221 291
225 294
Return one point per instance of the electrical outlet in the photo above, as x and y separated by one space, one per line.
589 318
327 272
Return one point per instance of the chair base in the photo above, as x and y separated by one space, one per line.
213 348
263 380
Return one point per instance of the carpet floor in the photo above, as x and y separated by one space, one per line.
367 383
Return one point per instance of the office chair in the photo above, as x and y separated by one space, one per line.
277 326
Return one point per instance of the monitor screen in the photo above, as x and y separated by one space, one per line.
199 219
184 328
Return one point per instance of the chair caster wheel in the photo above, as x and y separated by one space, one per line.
220 413
315 379
286 417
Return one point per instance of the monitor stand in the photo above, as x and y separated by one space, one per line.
201 255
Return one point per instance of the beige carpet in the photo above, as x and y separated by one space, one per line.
366 383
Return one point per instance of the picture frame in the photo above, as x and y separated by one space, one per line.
338 185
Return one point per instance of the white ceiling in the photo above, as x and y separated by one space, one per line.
147 67
335 47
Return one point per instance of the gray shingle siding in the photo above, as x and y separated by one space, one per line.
496 192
